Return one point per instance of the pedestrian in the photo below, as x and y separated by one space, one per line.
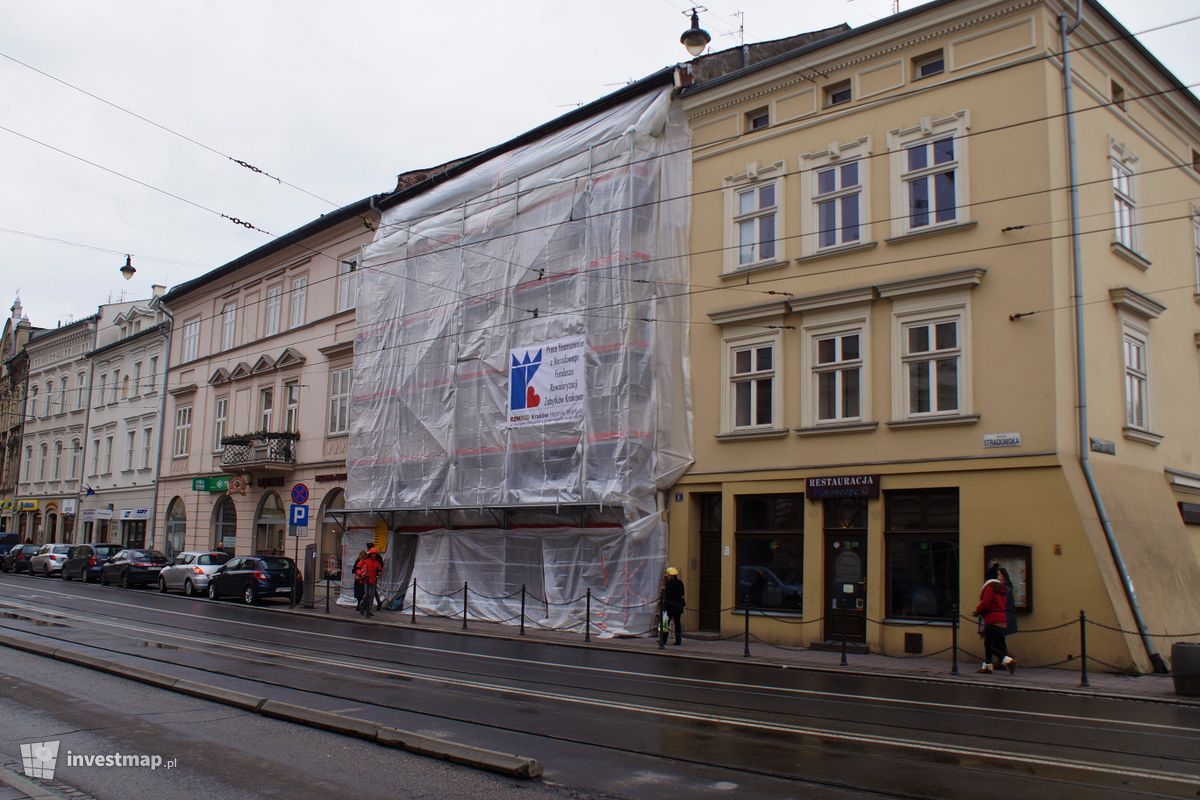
993 607
673 604
373 553
1010 608
369 569
358 584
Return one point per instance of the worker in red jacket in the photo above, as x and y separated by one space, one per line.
993 607
368 572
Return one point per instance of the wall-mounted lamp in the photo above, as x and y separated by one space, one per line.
128 270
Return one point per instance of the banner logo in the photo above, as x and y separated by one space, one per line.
38 759
546 382
522 395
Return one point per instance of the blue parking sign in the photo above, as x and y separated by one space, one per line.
298 516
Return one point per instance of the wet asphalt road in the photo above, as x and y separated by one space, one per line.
607 723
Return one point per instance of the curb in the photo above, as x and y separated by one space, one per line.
25 786
513 766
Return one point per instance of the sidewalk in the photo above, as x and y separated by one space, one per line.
1156 688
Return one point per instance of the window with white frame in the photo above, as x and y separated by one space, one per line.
116 384
58 450
96 456
339 400
266 407
291 406
153 376
108 450
131 447
929 174
837 375
182 440
33 402
299 295
137 378
62 393
81 394
101 388
1135 346
147 446
220 420
753 397
931 366
274 300
1123 164
834 191
42 463
228 325
75 448
1196 247
28 463
753 217
835 339
347 283
191 341
49 398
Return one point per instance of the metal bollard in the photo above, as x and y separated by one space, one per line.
746 634
954 641
327 590
464 605
587 620
414 605
1083 681
522 609
843 627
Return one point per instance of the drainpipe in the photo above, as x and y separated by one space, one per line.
1065 31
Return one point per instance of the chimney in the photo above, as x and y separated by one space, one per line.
157 290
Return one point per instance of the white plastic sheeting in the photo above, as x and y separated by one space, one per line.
522 341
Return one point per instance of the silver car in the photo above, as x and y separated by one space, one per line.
189 571
49 560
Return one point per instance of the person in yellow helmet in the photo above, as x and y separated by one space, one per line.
673 604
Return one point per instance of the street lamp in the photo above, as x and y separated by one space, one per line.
128 269
695 38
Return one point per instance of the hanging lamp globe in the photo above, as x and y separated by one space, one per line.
128 270
695 38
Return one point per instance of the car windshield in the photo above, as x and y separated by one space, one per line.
106 550
211 559
276 563
29 549
63 548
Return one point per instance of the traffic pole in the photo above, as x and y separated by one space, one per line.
954 658
587 620
522 609
1083 680
464 605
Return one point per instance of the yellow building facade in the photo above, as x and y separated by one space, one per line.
884 338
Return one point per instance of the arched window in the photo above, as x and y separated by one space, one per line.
225 525
269 526
49 398
125 388
81 391
42 463
33 401
57 460
62 394
176 527
28 463
74 459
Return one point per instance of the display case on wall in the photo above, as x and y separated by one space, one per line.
1018 560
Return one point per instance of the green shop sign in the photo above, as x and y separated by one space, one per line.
216 483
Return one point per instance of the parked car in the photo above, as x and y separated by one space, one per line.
85 561
17 559
8 541
760 587
133 568
253 578
49 559
189 571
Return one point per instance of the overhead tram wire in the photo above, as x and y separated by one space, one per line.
139 256
160 126
408 223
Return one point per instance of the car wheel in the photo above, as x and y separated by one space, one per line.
45 570
188 589
125 580
103 578
248 596
162 585
63 574
212 592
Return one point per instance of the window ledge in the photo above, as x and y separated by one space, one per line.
763 267
837 427
1144 436
338 435
768 612
1131 256
931 231
766 433
933 422
932 623
841 250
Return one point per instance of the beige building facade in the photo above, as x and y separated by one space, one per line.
884 338
258 393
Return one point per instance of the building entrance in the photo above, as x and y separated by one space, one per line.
846 569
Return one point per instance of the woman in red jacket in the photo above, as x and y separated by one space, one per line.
993 606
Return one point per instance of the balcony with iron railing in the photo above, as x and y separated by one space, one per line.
264 451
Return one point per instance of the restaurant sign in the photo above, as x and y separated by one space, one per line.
841 486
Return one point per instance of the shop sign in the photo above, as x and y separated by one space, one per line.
27 505
88 515
336 477
69 506
1103 446
213 483
1001 440
135 513
1190 513
841 486
271 482
104 513
7 505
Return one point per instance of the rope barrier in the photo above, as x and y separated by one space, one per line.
494 597
1137 633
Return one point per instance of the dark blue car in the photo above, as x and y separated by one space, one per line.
85 561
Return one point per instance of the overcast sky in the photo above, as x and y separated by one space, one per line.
333 97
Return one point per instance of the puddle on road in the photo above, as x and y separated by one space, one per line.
45 623
159 645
